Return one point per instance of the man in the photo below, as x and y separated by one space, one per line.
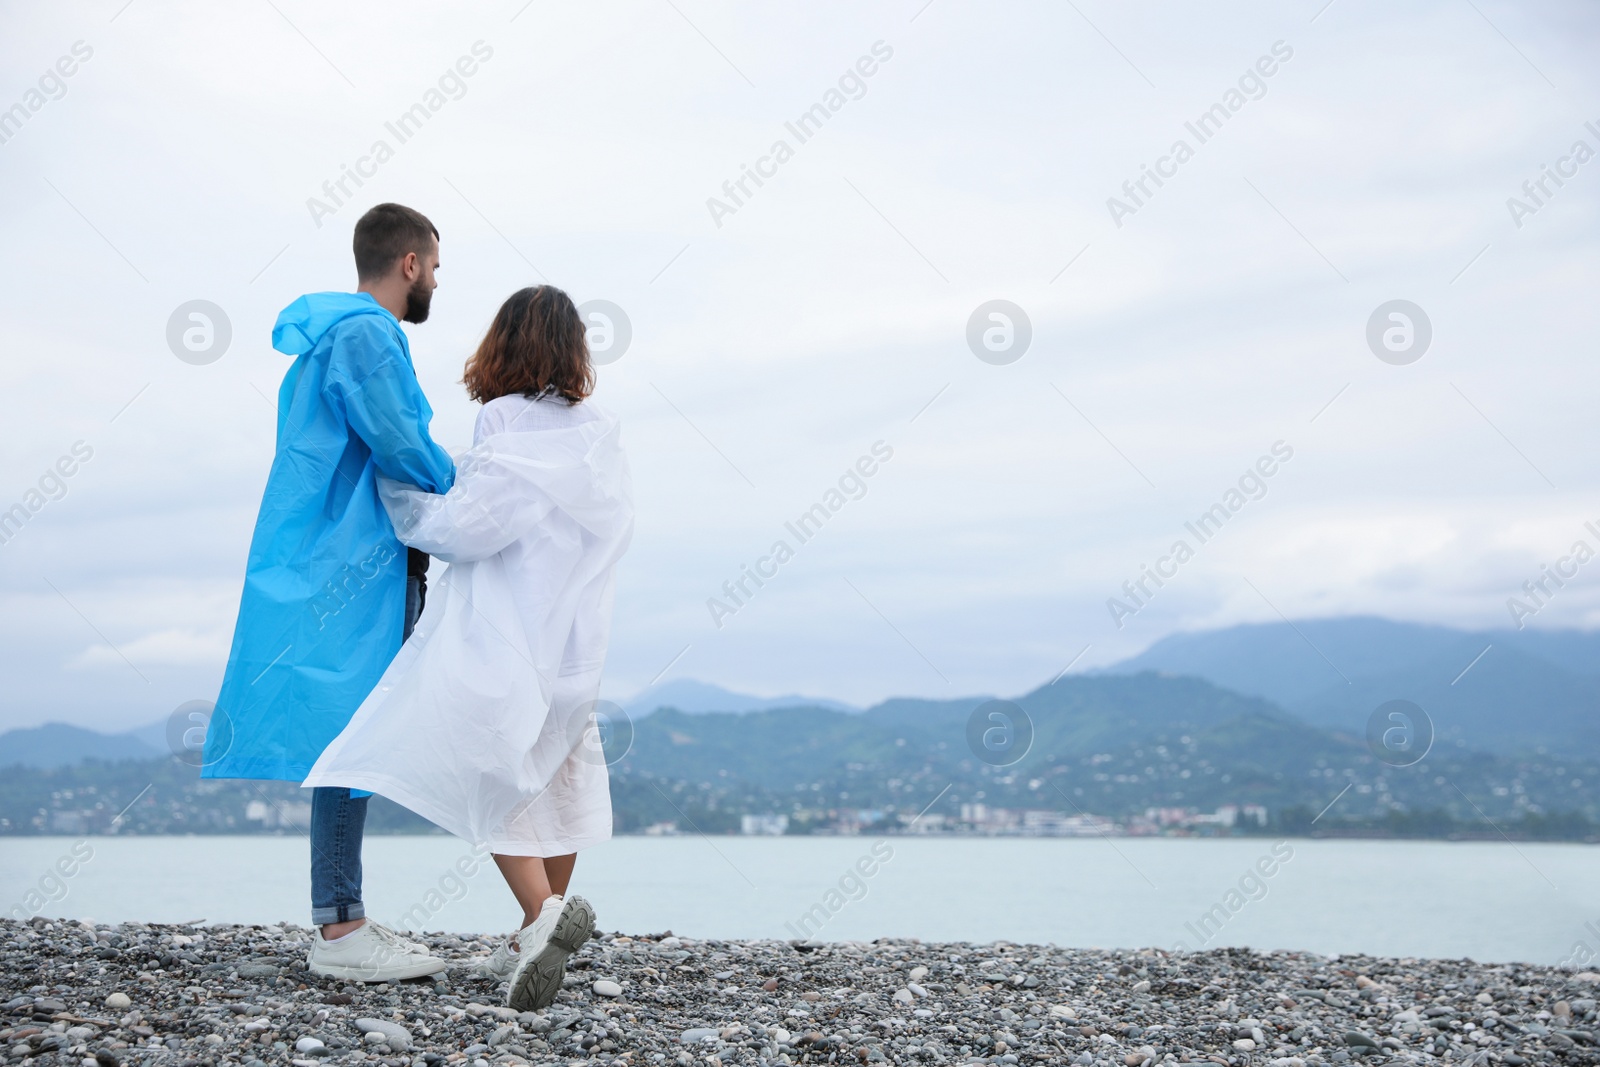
328 594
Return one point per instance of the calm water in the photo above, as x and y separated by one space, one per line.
1485 901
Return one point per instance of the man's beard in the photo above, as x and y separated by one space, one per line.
418 299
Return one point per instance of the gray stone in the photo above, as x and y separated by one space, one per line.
394 1035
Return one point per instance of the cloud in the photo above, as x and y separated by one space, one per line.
164 648
827 313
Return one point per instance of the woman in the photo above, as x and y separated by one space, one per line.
484 723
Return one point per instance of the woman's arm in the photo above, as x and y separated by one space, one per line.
487 508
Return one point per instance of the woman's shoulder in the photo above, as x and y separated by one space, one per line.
494 416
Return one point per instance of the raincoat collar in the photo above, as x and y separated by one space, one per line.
303 324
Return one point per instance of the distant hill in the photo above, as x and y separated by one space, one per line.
58 745
699 697
1531 689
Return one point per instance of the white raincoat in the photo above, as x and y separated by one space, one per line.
484 723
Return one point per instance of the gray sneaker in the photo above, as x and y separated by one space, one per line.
560 930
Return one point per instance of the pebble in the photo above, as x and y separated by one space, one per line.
499 1011
383 1032
890 1001
607 988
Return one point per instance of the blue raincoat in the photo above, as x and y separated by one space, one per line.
324 589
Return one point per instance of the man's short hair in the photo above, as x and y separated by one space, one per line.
387 233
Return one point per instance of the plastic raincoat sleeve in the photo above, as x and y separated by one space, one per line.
488 508
385 406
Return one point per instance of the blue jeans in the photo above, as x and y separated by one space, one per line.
337 822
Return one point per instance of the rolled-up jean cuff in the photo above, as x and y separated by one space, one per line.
343 913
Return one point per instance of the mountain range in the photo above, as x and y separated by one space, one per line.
1271 714
1112 745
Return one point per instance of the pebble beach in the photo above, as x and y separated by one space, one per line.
96 995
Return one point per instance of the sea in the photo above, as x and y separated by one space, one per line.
1487 901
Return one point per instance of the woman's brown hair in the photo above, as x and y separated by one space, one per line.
537 345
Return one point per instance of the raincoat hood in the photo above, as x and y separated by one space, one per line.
302 325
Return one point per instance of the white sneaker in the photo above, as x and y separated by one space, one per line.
499 964
560 930
372 953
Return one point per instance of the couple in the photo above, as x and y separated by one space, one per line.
476 712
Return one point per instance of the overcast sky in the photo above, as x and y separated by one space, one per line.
775 339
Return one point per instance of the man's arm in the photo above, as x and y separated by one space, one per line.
385 406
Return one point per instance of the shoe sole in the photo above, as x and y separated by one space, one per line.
536 987
421 969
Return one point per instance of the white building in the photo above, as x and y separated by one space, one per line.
770 825
294 813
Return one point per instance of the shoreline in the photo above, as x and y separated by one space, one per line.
198 996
